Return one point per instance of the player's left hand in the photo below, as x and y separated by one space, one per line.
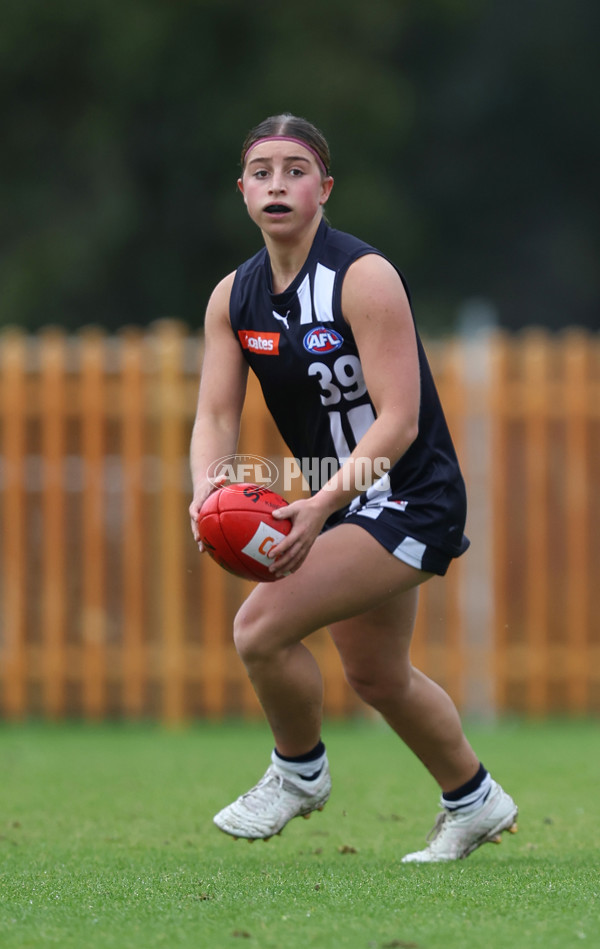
307 521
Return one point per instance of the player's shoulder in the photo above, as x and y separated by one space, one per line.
226 286
252 265
347 254
373 265
345 244
372 283
222 291
217 310
365 265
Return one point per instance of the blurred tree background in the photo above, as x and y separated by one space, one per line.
465 137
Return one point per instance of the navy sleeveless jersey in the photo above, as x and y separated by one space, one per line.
303 352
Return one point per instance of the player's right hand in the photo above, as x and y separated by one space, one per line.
200 495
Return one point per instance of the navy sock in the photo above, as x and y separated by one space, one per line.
468 787
312 755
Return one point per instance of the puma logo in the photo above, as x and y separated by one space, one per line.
282 319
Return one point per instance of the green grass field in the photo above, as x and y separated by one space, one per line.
106 840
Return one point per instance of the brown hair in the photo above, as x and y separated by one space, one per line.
293 126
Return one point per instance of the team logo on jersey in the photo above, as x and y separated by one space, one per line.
267 344
322 341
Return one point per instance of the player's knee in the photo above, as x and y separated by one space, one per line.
251 635
379 687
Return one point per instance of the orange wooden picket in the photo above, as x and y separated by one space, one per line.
108 611
546 417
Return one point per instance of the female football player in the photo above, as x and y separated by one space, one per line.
324 321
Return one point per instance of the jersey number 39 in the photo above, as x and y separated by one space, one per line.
345 384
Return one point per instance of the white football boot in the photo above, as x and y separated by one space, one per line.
265 809
455 835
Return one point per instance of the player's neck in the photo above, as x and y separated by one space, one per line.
288 257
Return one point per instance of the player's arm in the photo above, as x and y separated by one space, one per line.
220 397
375 305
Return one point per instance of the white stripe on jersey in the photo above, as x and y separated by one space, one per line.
305 301
342 449
361 417
323 293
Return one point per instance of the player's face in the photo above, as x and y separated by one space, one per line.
283 187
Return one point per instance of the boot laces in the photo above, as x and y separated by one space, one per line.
261 794
442 823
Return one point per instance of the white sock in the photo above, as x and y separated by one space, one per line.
308 770
470 802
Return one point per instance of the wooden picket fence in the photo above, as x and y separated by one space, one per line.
108 611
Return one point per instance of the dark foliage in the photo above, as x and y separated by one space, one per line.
465 140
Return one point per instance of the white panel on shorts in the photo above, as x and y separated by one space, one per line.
372 512
411 552
323 293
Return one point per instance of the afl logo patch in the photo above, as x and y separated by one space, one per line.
322 341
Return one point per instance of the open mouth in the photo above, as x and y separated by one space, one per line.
276 209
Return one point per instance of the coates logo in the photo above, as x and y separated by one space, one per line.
265 343
321 341
258 547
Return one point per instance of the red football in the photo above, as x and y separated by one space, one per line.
238 531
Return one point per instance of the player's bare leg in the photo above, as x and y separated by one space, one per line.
335 588
331 585
290 689
367 597
374 649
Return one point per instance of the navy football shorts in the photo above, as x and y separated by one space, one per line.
386 526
